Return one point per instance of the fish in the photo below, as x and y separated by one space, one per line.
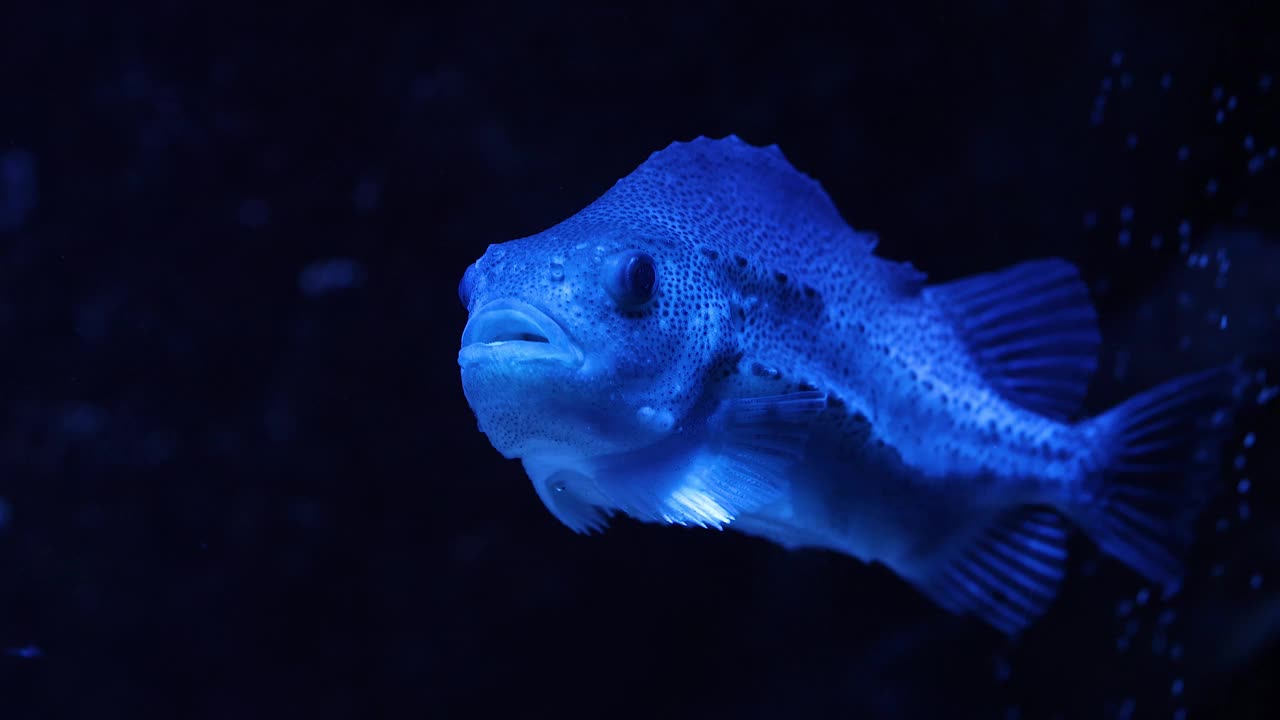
710 344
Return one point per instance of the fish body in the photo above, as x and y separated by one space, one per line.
709 343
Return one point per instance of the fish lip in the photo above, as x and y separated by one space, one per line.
493 330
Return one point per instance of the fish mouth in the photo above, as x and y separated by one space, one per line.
515 330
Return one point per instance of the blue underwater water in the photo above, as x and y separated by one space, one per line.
238 476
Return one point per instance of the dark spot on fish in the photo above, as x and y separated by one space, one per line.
806 387
780 277
835 403
710 253
928 386
862 328
809 292
742 262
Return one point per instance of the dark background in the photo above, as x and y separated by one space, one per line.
238 477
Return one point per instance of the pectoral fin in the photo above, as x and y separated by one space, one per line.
738 465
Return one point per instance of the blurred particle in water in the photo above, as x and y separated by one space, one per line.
26 652
83 419
366 195
330 275
159 446
6 513
254 213
1166 81
17 188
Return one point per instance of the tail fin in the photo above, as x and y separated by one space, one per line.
1158 468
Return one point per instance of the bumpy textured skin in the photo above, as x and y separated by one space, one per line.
785 382
765 289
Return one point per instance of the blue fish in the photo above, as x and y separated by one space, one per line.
710 344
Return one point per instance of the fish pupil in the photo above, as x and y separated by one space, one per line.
640 277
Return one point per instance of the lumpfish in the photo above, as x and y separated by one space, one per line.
710 344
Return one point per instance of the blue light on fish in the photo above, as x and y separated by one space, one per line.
709 344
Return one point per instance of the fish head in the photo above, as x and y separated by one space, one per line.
592 338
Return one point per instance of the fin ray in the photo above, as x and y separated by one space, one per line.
750 443
1160 469
1008 575
1031 328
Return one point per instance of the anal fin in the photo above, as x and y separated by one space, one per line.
1008 574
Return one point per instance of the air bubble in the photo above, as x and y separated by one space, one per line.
1250 439
1248 142
1220 116
1184 152
1255 581
1242 487
1211 187
1176 687
1166 81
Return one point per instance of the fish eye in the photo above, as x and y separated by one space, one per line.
631 278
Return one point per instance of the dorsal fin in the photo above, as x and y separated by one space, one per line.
1032 330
